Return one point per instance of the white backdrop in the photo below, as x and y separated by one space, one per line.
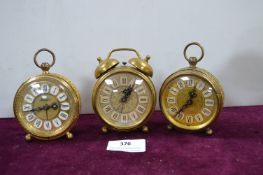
79 31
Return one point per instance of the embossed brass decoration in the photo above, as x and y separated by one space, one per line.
124 96
191 98
47 106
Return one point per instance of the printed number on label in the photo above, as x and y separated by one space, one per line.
125 143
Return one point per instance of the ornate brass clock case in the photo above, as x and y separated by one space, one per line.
124 96
47 106
191 98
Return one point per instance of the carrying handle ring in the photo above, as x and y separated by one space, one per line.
44 66
193 60
123 49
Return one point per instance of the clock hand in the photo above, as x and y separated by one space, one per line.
192 93
46 107
127 92
122 107
47 114
189 102
124 97
37 109
128 89
54 106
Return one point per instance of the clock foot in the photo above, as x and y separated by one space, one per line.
104 129
145 129
69 135
170 127
209 131
28 137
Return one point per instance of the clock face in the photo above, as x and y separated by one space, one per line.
46 107
189 102
124 99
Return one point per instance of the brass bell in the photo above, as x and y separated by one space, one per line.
142 65
105 65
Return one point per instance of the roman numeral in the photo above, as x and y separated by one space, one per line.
209 102
30 117
65 106
115 115
140 109
180 84
38 123
206 112
29 98
171 100
143 99
45 88
173 90
62 97
115 83
107 109
104 99
124 118
133 115
47 125
200 85
54 90
57 122
63 115
207 93
140 90
190 83
27 107
199 118
107 90
124 81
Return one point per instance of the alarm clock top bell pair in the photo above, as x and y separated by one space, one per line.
48 105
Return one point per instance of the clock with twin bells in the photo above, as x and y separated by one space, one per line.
124 96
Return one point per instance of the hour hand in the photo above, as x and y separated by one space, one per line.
192 94
127 92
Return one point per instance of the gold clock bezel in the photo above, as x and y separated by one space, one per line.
203 74
45 77
124 69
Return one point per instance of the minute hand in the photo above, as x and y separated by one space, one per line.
192 94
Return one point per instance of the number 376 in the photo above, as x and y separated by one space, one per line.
125 143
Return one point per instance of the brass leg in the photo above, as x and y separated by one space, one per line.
209 131
104 129
69 135
145 129
28 137
170 126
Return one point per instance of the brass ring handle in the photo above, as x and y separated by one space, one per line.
46 50
123 49
197 44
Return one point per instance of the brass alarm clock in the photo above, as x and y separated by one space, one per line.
124 96
47 105
191 98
